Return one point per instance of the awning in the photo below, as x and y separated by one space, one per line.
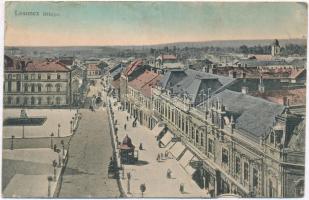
170 144
186 158
189 169
158 128
166 138
177 149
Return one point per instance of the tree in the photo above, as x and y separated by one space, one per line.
244 49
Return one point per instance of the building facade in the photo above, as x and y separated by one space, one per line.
36 83
243 145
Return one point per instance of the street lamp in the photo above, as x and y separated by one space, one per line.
71 122
51 140
59 129
12 142
129 178
54 165
62 143
49 178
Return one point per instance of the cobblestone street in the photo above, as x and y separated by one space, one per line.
89 154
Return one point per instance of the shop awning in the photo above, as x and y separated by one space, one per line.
186 158
166 138
177 149
170 144
158 129
190 169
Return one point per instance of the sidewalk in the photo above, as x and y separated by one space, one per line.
148 170
26 171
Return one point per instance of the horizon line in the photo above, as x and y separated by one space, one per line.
158 44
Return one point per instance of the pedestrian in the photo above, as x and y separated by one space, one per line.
140 146
125 126
127 118
158 157
162 156
169 173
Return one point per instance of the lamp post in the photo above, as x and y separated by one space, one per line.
59 129
129 178
71 127
62 143
49 179
12 142
54 166
51 140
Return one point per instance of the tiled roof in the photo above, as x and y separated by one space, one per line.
145 81
261 63
131 67
54 66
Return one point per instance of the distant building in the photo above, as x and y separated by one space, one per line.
93 71
275 48
29 83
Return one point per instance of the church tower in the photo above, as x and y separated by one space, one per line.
275 48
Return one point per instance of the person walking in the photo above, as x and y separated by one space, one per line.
125 126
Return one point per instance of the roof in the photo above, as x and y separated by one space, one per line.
116 72
132 66
260 63
28 65
194 84
254 116
67 60
173 65
166 57
261 57
145 81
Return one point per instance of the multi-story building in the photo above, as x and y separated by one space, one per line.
242 144
139 98
231 141
29 83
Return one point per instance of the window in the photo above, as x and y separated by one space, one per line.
39 101
58 76
246 171
237 165
18 86
32 76
9 86
18 76
48 100
48 76
17 100
49 87
32 88
39 76
26 76
39 88
197 137
10 77
9 100
25 100
255 178
58 100
26 87
32 100
272 138
299 189
58 86
210 146
225 156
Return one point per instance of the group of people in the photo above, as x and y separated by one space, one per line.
162 156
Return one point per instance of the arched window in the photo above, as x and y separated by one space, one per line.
10 100
58 100
39 87
49 87
32 100
32 88
26 87
196 136
58 87
299 188
25 100
49 100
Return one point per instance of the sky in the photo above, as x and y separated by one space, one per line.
145 23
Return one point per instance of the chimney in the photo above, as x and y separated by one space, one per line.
244 90
232 124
